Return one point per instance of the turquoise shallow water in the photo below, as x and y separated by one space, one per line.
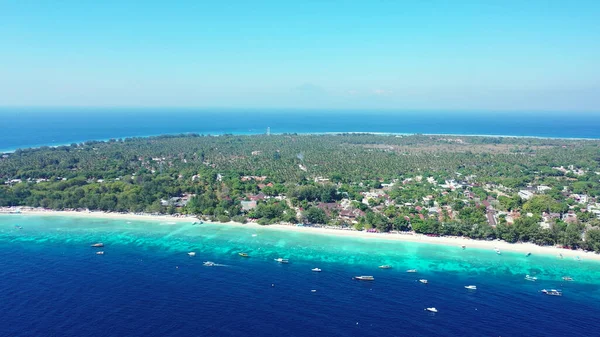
267 244
146 279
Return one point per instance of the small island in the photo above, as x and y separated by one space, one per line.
542 191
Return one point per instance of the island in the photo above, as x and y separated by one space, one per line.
543 191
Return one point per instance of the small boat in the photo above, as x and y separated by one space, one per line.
471 287
463 246
530 278
385 266
281 260
98 245
18 227
577 258
567 278
560 256
313 291
431 309
411 271
254 235
100 253
192 253
528 254
197 223
317 270
497 251
208 264
364 278
552 292
243 254
424 281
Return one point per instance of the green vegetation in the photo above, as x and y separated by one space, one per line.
436 185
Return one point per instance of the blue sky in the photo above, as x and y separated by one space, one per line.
381 54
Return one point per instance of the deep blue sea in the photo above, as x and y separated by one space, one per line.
53 284
30 127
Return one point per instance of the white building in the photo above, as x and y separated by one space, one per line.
543 188
525 195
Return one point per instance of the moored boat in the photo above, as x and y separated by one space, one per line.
530 278
411 271
317 270
567 278
364 278
98 245
471 287
552 292
463 246
192 253
100 253
431 309
528 254
282 260
385 266
243 254
424 281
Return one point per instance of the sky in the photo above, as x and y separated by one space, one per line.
422 54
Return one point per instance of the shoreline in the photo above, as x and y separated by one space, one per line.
375 133
329 231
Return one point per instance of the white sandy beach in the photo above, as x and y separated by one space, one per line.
407 237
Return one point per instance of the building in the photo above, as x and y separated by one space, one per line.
248 205
259 196
543 188
525 195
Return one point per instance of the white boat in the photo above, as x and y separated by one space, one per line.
364 278
313 291
497 251
528 254
411 271
424 281
100 253
431 309
282 260
192 253
463 246
385 266
318 270
471 287
567 278
208 264
530 278
552 292
98 245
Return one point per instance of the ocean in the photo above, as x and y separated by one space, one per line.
53 284
32 127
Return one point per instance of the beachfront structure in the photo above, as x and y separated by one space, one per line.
248 205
